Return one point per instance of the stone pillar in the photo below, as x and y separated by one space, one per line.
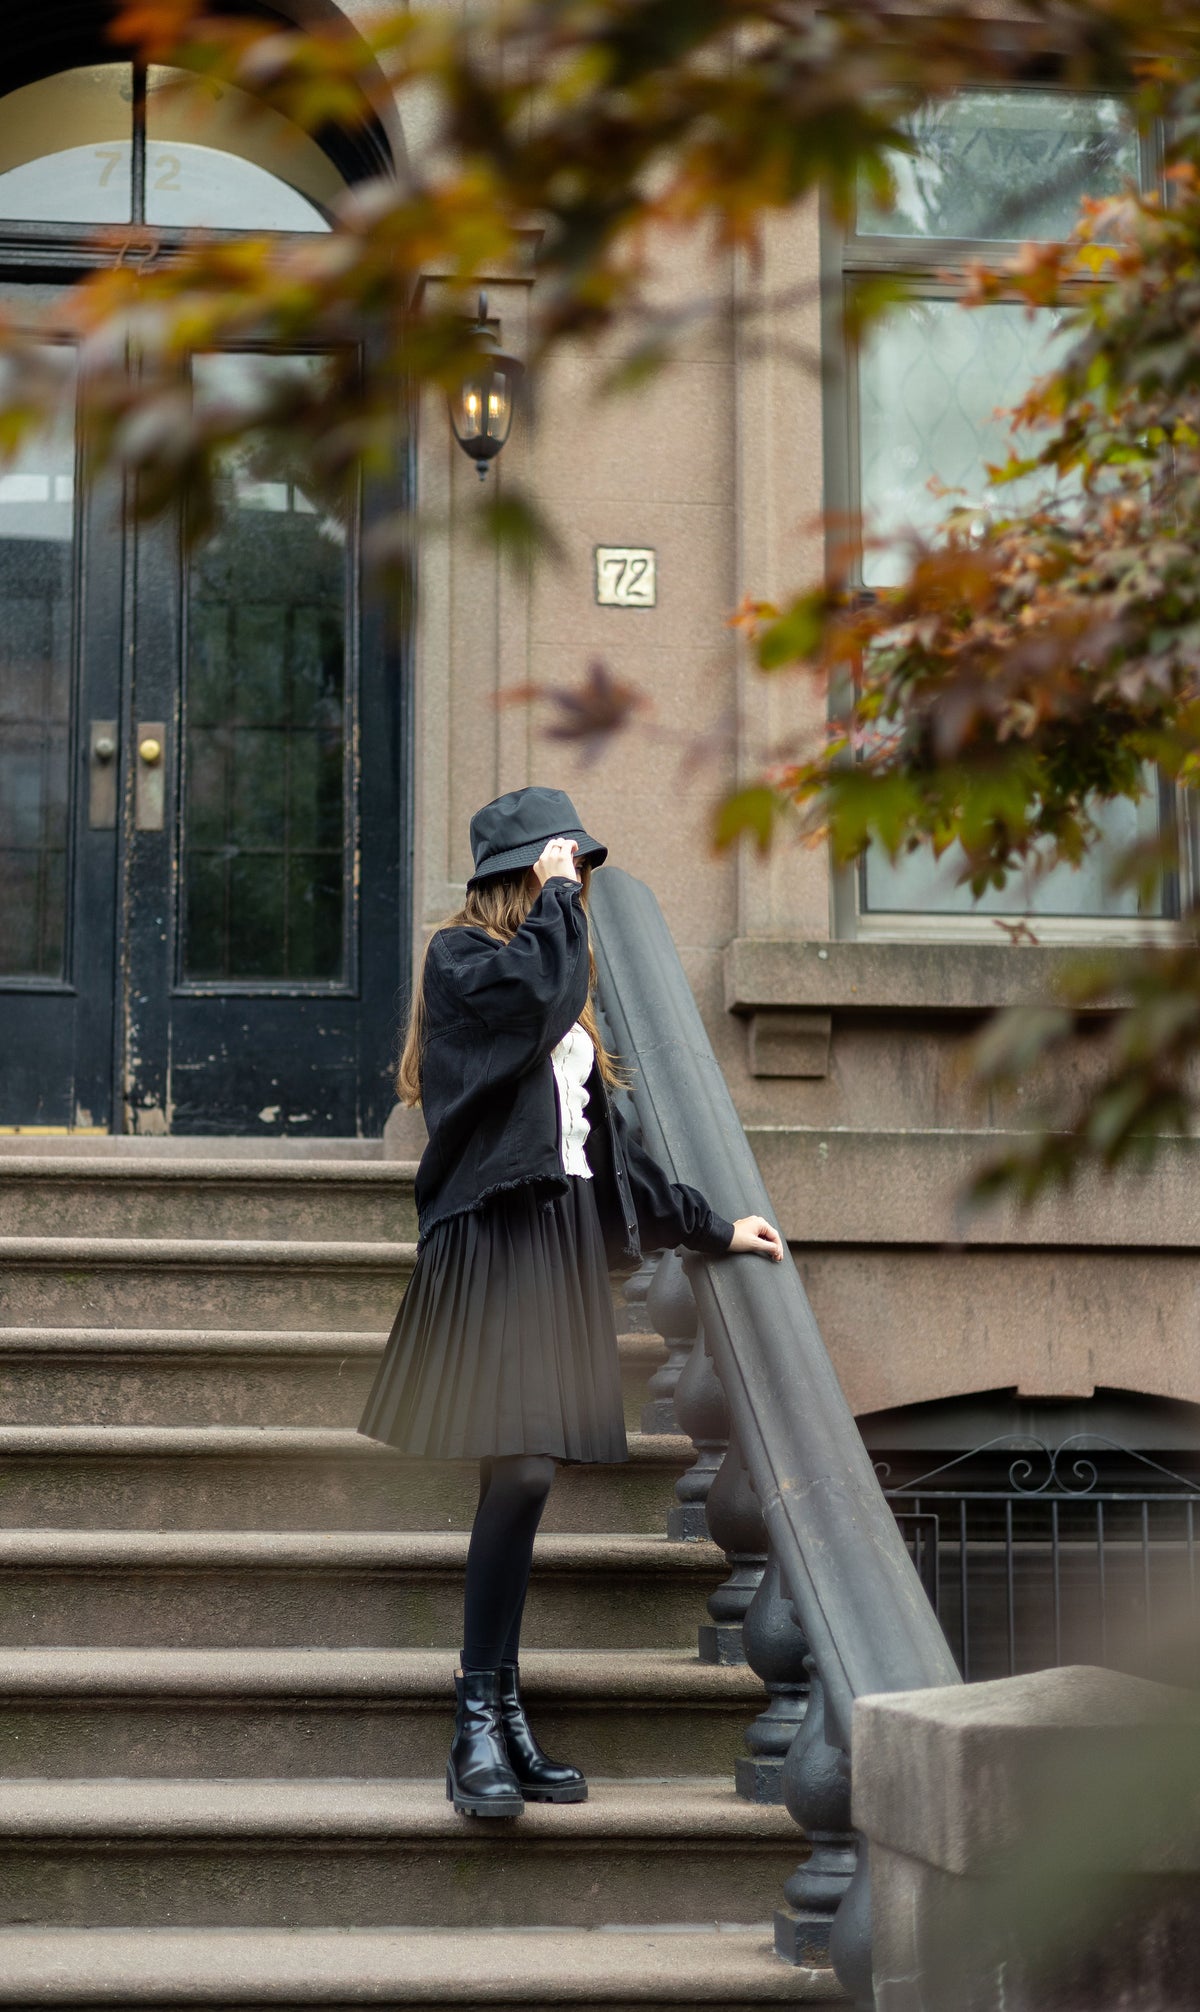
1034 1844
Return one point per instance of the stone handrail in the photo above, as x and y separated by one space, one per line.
844 1564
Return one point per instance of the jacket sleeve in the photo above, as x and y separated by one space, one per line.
538 981
668 1212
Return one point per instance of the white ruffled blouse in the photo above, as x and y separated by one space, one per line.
573 1059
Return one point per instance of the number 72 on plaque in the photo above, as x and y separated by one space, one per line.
625 576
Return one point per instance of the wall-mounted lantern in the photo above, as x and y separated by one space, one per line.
481 409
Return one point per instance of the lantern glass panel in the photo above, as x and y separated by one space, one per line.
472 404
499 406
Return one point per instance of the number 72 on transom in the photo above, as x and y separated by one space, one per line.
625 576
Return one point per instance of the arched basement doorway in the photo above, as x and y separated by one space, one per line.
201 781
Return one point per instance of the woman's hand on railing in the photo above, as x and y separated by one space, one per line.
755 1233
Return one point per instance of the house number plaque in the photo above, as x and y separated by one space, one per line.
625 576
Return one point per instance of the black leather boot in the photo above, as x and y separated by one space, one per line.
479 1778
541 1779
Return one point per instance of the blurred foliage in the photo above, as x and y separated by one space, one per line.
1023 673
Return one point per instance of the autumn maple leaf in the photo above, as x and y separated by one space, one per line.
155 28
591 712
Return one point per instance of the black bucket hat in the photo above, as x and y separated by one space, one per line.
514 830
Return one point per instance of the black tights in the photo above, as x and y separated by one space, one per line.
512 1494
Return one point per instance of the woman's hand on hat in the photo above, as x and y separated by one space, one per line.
557 860
755 1233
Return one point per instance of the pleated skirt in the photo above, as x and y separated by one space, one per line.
505 1341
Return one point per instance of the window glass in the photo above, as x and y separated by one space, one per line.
935 384
217 158
917 883
37 552
66 147
265 691
1005 164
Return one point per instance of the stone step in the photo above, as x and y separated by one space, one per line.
92 1148
329 1854
216 1376
437 1969
61 1195
190 1282
241 1477
374 1713
335 1589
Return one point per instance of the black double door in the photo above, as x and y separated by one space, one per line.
202 912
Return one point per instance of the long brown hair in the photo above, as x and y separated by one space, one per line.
499 905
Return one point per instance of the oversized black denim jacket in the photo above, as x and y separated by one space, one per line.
493 1013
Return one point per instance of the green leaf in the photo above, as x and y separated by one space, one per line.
749 813
796 635
513 522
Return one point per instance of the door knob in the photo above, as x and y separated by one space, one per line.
102 775
150 777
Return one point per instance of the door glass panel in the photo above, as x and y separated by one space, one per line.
265 697
217 158
1005 164
37 552
66 147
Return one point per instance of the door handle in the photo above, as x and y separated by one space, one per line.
102 775
150 781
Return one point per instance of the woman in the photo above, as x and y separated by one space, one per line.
504 1349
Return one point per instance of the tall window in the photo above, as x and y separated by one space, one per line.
924 397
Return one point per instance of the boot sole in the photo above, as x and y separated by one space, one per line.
569 1794
482 1805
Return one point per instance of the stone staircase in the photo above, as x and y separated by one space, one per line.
228 1624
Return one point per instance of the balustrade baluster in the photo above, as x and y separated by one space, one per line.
635 1291
735 1523
816 1790
702 1413
775 1648
671 1309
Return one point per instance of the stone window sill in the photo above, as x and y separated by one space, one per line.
788 990
776 974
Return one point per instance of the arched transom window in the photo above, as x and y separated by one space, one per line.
113 143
